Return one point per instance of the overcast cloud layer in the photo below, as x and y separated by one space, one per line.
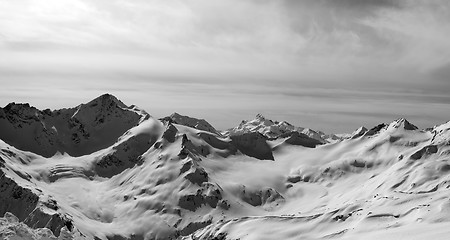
326 64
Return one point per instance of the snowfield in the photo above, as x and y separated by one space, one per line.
104 170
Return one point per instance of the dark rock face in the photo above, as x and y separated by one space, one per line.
425 151
198 176
40 219
191 202
23 203
194 226
375 130
76 131
126 155
208 194
211 193
193 172
170 133
217 143
409 126
16 199
301 139
200 124
253 144
23 120
261 197
189 148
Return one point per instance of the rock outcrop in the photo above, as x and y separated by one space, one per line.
253 144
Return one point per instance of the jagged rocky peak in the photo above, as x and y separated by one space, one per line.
20 112
400 123
76 131
261 117
403 123
358 132
103 109
20 108
170 132
264 126
200 124
257 121
275 129
106 100
263 120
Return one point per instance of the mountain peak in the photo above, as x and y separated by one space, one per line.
275 129
75 131
106 100
176 115
358 132
200 124
19 110
259 116
16 107
261 119
403 123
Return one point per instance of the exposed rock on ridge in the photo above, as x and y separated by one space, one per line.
76 131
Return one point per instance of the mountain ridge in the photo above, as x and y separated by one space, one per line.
64 129
180 178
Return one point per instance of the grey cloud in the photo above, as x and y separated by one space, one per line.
344 5
442 73
366 3
309 61
330 20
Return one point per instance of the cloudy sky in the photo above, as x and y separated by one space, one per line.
326 64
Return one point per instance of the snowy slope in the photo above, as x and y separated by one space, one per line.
179 178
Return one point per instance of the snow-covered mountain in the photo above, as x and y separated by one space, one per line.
274 129
105 170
